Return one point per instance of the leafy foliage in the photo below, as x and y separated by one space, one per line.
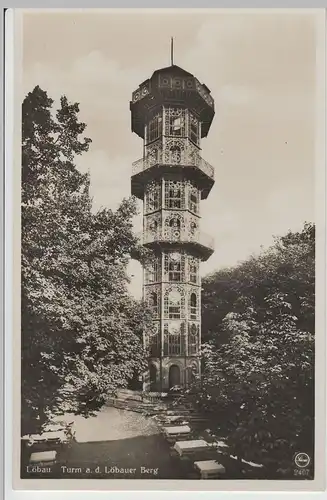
81 330
258 380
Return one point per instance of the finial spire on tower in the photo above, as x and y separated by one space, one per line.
172 50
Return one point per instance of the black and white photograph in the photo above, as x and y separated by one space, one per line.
168 225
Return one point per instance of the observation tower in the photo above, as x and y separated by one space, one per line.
171 112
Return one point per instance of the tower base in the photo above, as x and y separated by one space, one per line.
167 373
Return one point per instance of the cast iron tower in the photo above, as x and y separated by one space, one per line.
172 111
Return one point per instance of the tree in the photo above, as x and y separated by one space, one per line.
258 382
81 330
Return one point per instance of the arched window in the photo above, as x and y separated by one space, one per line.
174 196
175 122
193 270
174 229
174 268
174 304
193 306
174 340
193 339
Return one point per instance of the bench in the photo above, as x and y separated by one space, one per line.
191 447
210 469
172 434
43 458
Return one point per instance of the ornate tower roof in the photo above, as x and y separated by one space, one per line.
175 86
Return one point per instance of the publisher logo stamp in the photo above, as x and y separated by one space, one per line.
302 460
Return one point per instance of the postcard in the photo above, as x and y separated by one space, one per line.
169 193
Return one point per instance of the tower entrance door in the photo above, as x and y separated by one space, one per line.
174 376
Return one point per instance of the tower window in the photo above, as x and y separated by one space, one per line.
176 126
174 305
193 129
175 272
153 198
174 340
174 344
193 339
152 272
193 306
193 271
174 195
155 128
176 122
194 200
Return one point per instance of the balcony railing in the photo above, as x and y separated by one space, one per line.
174 236
183 159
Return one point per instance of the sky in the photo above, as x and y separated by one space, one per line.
260 68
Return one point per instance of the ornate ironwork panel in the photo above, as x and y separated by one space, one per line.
193 270
153 299
154 128
174 194
153 153
203 93
193 198
152 196
174 302
174 226
175 122
153 341
152 227
174 267
152 270
193 338
193 227
193 128
141 92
